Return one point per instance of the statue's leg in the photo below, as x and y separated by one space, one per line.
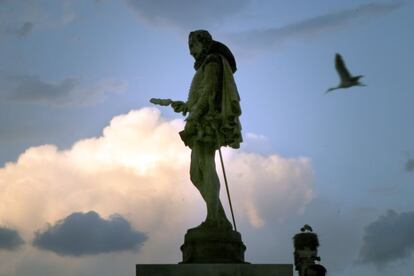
212 185
216 209
221 214
196 172
204 176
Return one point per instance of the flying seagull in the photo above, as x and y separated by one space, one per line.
346 79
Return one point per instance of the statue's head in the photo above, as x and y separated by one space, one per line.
199 42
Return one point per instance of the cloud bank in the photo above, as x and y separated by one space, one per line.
18 17
409 166
186 14
21 18
69 91
88 234
10 239
274 37
21 30
388 239
139 168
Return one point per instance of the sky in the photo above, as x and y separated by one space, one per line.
94 179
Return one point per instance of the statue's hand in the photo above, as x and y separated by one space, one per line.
179 106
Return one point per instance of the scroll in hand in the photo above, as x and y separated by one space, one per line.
163 102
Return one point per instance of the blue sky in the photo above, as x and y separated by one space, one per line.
69 67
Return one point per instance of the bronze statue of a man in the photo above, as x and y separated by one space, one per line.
213 108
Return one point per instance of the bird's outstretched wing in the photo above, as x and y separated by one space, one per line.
341 68
330 90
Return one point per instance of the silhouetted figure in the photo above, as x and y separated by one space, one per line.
213 108
347 80
305 255
213 118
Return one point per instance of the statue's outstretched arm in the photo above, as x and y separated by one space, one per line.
178 106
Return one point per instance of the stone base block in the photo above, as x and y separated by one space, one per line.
215 270
209 246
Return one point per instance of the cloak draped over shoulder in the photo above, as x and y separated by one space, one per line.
218 102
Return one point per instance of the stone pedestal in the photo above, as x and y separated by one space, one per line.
212 251
215 270
206 245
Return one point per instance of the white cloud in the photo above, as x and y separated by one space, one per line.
269 188
257 137
139 168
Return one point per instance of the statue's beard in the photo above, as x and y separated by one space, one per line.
200 58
